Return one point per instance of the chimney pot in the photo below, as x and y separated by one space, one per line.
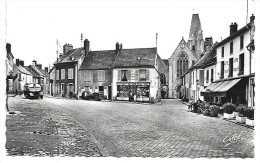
8 48
233 28
17 62
86 46
117 47
21 62
46 69
252 18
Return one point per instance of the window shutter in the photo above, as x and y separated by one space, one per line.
201 77
119 75
128 75
136 75
147 75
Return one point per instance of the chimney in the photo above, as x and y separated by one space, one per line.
17 62
21 63
67 47
39 66
86 46
34 62
46 69
233 28
117 47
252 18
8 48
120 47
60 55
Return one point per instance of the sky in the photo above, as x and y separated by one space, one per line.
34 26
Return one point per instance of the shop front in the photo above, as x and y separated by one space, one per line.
133 91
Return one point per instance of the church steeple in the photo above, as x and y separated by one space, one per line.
196 41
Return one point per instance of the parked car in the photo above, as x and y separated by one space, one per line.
33 91
91 96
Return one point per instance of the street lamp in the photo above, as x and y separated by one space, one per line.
197 89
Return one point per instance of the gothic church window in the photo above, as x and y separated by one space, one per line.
182 64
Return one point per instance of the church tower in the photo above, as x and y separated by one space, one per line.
196 41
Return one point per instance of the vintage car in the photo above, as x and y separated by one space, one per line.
91 96
33 91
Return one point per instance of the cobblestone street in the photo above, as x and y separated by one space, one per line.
88 128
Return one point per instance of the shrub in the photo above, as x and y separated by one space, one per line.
250 113
214 110
229 108
242 110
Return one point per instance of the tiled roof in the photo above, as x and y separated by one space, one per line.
22 69
71 56
31 71
98 60
208 58
140 57
37 70
166 62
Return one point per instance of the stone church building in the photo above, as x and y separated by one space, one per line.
184 56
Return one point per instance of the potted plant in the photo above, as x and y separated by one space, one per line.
235 113
250 116
214 109
241 117
228 110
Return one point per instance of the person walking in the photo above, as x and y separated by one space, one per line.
191 102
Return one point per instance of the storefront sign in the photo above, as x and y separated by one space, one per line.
133 83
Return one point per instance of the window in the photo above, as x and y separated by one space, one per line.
123 75
207 77
192 77
212 75
57 74
230 67
222 52
231 47
241 42
101 75
222 70
70 73
62 75
241 64
142 75
182 64
87 75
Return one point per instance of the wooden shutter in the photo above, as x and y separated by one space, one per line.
201 77
119 75
128 75
147 74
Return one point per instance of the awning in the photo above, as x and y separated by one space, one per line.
219 88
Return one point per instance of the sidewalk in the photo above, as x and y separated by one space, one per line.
39 131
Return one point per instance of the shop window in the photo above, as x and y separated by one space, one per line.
123 75
122 91
222 70
142 75
143 92
231 47
230 67
241 42
241 64
101 75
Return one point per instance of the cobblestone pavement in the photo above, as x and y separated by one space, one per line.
167 130
37 130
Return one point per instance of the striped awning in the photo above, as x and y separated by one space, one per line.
220 88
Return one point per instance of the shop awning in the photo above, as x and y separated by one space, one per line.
219 88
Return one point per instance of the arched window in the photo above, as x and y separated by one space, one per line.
182 64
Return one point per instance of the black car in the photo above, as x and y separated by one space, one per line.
91 96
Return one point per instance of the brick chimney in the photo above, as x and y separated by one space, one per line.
67 47
233 28
86 46
117 47
21 63
252 18
8 48
17 62
120 47
34 62
46 69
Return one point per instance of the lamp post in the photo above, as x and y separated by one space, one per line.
197 89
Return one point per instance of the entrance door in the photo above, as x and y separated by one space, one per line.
109 92
101 91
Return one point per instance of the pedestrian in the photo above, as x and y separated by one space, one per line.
191 102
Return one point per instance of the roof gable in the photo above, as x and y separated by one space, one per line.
185 48
71 56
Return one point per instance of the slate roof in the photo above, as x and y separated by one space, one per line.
139 57
71 56
166 62
22 69
31 71
98 60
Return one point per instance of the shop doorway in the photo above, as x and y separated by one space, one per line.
109 92
101 91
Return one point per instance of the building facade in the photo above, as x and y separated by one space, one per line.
235 70
9 68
